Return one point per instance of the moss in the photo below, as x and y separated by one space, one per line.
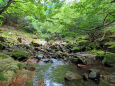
9 68
109 58
82 37
76 48
19 55
3 77
9 64
29 83
20 66
98 52
102 83
3 56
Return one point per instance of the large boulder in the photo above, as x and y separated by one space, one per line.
84 58
35 43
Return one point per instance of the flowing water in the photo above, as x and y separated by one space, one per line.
52 73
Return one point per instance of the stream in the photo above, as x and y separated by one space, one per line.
51 72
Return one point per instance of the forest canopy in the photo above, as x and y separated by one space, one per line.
57 16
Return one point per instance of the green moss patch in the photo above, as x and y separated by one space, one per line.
8 67
3 56
98 52
19 55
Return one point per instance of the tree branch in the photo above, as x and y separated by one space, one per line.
6 6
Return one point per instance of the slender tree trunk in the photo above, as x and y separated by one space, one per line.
6 6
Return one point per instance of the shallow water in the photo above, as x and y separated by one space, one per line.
52 73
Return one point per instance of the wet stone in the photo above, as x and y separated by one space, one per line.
72 76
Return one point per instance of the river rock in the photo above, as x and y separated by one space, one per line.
94 74
40 56
48 61
86 58
72 76
85 76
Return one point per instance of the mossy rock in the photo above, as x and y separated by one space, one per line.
8 68
35 43
4 56
19 55
98 52
76 48
9 64
109 59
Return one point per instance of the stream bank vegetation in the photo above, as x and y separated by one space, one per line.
81 32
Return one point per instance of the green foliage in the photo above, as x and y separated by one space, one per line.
84 17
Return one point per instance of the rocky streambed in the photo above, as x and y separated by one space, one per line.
57 72
58 64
